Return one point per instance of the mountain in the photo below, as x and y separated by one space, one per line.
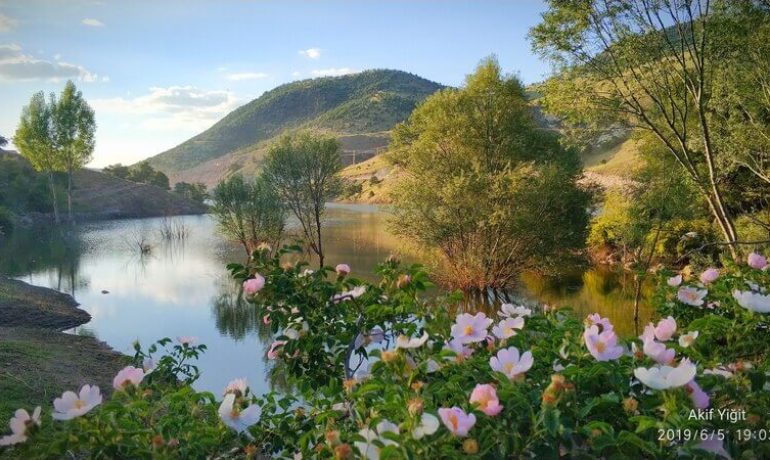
361 108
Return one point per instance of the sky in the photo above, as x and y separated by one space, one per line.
159 72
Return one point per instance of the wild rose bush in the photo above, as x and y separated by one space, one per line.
381 372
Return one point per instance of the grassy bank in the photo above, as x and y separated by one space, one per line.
37 362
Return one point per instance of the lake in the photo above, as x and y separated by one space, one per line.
182 287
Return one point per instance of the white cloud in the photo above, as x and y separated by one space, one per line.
332 72
312 53
15 66
7 24
296 74
91 22
239 76
172 108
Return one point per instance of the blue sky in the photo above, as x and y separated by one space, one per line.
158 72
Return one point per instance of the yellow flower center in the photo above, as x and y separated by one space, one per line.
468 330
453 421
235 413
508 367
483 401
601 346
79 404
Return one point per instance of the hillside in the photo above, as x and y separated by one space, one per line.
610 163
96 195
361 108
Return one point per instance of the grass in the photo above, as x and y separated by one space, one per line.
37 365
618 160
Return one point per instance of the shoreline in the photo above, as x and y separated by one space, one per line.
37 360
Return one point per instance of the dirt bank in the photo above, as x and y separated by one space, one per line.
37 361
24 305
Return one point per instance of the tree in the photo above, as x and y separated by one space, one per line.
74 128
195 192
146 174
250 213
35 139
117 170
3 141
485 187
304 168
651 65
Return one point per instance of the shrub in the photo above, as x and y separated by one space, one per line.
6 222
381 372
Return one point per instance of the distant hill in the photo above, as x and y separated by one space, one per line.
361 108
100 196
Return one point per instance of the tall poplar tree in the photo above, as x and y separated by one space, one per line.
74 128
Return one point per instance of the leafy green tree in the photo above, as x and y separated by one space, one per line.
35 139
195 192
117 170
146 174
304 168
74 128
250 213
483 185
655 66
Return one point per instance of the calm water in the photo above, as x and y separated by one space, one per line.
184 288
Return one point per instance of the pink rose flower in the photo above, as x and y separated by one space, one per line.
709 275
253 285
342 269
595 319
457 421
485 396
602 345
700 399
665 329
471 328
128 376
510 363
674 281
757 261
275 349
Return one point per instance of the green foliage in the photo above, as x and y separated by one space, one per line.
195 192
146 174
369 101
6 222
484 185
249 212
57 135
692 74
304 167
334 343
35 135
117 170
660 214
22 189
142 173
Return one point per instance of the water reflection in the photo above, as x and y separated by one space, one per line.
234 317
183 288
595 290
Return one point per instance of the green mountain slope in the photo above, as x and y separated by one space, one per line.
366 102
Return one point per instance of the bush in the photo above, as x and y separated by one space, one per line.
381 372
6 222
